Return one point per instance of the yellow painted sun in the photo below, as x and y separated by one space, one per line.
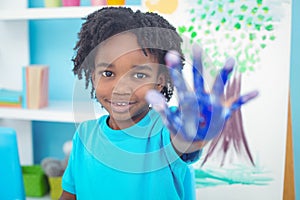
162 6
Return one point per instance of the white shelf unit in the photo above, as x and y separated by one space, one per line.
16 20
56 111
14 38
14 54
46 197
47 13
51 13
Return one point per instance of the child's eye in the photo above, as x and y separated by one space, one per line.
107 74
140 75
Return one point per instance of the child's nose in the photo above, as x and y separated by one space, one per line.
123 86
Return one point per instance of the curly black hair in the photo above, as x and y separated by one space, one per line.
154 34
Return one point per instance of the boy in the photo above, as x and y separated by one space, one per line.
136 152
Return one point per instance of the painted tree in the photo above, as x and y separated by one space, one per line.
233 138
229 28
244 27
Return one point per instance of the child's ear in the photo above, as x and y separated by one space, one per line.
161 82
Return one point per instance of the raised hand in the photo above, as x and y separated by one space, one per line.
201 115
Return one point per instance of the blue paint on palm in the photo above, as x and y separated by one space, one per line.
200 115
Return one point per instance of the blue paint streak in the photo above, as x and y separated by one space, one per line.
294 90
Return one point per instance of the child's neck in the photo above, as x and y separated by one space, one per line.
122 124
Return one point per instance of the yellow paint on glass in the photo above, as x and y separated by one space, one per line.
162 6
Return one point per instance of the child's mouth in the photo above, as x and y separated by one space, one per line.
121 106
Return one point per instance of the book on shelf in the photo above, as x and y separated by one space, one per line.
35 86
10 98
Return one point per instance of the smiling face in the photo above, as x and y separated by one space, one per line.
123 75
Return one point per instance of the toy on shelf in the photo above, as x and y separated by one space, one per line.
35 181
115 2
52 3
98 2
54 169
71 2
11 183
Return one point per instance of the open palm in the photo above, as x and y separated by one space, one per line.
201 115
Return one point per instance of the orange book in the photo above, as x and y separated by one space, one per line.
10 104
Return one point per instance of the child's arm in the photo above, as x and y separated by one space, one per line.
200 115
67 196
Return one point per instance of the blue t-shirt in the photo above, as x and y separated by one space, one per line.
137 163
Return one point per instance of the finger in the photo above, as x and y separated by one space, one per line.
174 64
243 99
156 100
198 70
222 77
170 118
187 119
172 59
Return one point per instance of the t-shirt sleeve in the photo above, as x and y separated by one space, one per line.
188 158
191 157
68 183
181 168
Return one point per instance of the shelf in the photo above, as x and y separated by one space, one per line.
51 13
46 197
57 111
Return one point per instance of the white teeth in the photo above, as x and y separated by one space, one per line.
122 104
